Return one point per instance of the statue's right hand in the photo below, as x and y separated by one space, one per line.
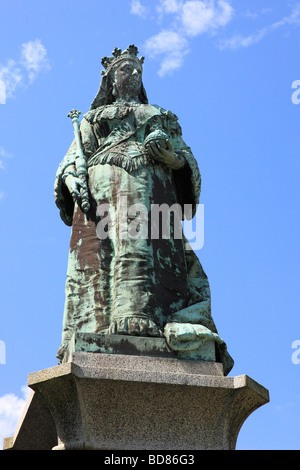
74 184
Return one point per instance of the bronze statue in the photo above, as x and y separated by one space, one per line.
135 160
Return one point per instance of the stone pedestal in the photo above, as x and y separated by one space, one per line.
104 401
132 345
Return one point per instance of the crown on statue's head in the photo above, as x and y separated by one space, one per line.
117 55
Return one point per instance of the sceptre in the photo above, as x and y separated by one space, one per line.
80 160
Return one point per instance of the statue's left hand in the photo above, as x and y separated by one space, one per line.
160 150
163 151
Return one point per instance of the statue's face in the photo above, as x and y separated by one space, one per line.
128 80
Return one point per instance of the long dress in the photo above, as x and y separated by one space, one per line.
118 283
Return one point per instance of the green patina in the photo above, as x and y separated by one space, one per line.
133 153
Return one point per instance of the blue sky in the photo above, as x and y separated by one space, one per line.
227 69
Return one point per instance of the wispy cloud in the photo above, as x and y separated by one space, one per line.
253 15
190 19
184 20
239 40
284 407
10 78
201 17
22 72
169 45
136 8
169 6
11 408
3 155
34 58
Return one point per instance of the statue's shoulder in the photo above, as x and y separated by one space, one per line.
165 112
168 115
170 119
91 115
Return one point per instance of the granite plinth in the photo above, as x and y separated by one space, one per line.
101 401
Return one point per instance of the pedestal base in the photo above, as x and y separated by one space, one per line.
133 345
105 401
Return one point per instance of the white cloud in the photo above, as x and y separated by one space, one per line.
170 6
250 14
240 40
137 8
3 154
34 58
169 44
11 408
165 41
202 16
197 17
10 78
18 73
171 62
190 18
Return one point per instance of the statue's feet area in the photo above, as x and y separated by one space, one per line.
134 326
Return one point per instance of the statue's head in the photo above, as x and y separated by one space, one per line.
122 78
